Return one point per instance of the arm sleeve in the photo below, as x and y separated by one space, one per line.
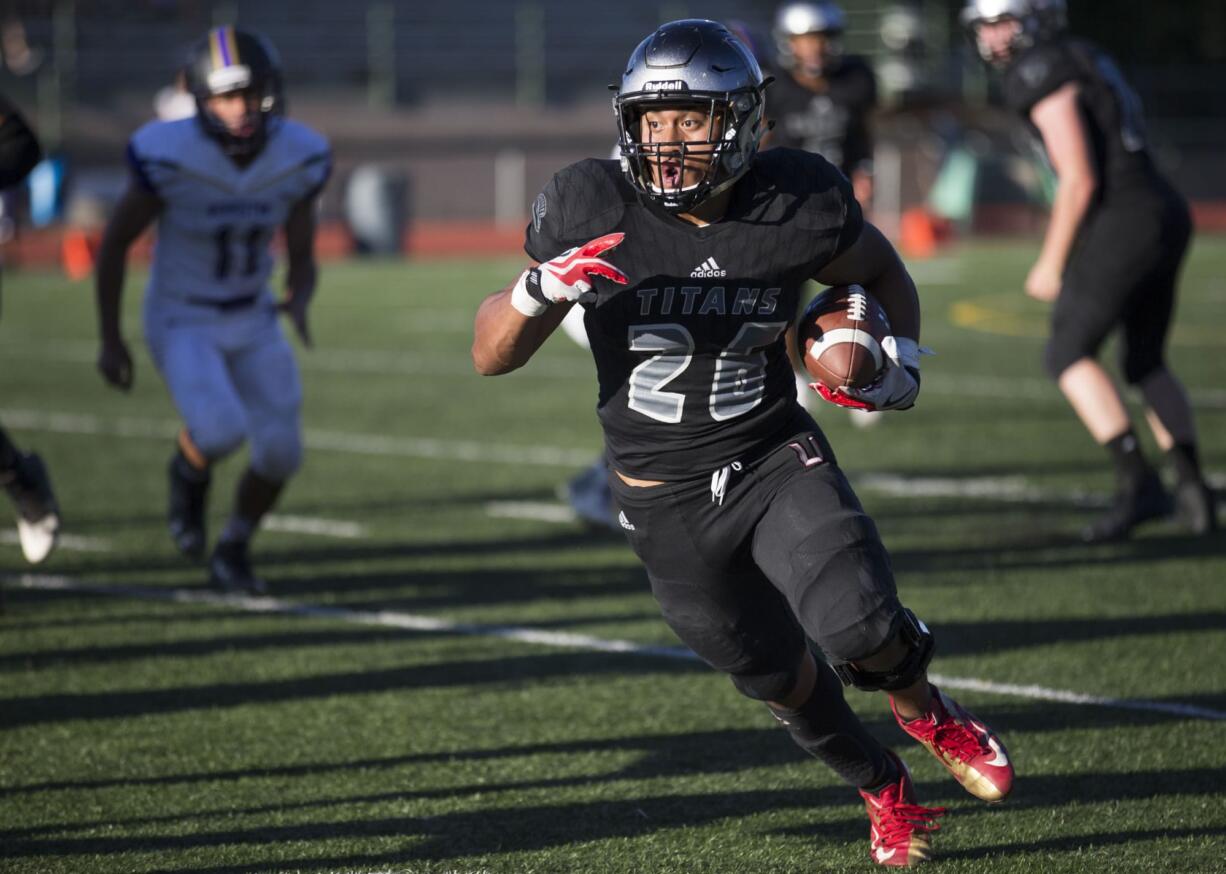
20 151
1037 74
137 165
319 171
545 236
853 217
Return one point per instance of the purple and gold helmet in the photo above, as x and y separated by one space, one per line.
226 60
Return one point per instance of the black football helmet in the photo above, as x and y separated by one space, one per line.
692 62
226 60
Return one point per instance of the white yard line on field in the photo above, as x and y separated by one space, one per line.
537 511
1008 488
67 542
558 639
398 363
315 526
340 441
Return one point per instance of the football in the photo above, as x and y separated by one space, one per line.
840 337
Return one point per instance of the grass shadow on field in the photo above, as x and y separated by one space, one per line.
529 828
266 554
1051 552
455 835
661 754
1098 841
354 508
255 642
974 638
517 670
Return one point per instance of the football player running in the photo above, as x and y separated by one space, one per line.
1111 256
687 260
23 474
821 101
823 97
219 185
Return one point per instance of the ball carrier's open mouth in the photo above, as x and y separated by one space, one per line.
677 167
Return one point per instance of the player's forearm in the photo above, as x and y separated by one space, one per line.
109 280
1072 202
504 339
895 291
301 278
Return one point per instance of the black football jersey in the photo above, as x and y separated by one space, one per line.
1110 108
690 355
833 124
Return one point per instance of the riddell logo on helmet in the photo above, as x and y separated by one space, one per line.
667 85
708 270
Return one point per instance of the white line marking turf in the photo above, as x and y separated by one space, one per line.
537 511
340 441
315 526
1013 489
398 363
68 542
559 639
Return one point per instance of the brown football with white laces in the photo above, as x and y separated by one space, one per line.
840 337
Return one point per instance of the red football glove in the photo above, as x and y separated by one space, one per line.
566 277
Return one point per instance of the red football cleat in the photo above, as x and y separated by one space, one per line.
964 745
900 826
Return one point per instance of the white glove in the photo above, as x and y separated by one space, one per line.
566 277
895 388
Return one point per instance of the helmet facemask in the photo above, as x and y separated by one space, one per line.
659 167
697 66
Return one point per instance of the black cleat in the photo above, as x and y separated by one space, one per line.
38 515
230 569
189 488
1196 507
1135 503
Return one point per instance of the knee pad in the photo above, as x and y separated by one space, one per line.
772 686
920 647
217 437
276 453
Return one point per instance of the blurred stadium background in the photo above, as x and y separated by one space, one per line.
446 118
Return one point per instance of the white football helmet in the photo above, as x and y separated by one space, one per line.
798 19
1039 20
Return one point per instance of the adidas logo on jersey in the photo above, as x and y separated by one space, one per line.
707 270
624 522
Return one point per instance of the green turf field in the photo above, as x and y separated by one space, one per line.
390 710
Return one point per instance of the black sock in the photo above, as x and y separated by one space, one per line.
1130 464
8 453
1186 462
889 779
825 727
189 471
